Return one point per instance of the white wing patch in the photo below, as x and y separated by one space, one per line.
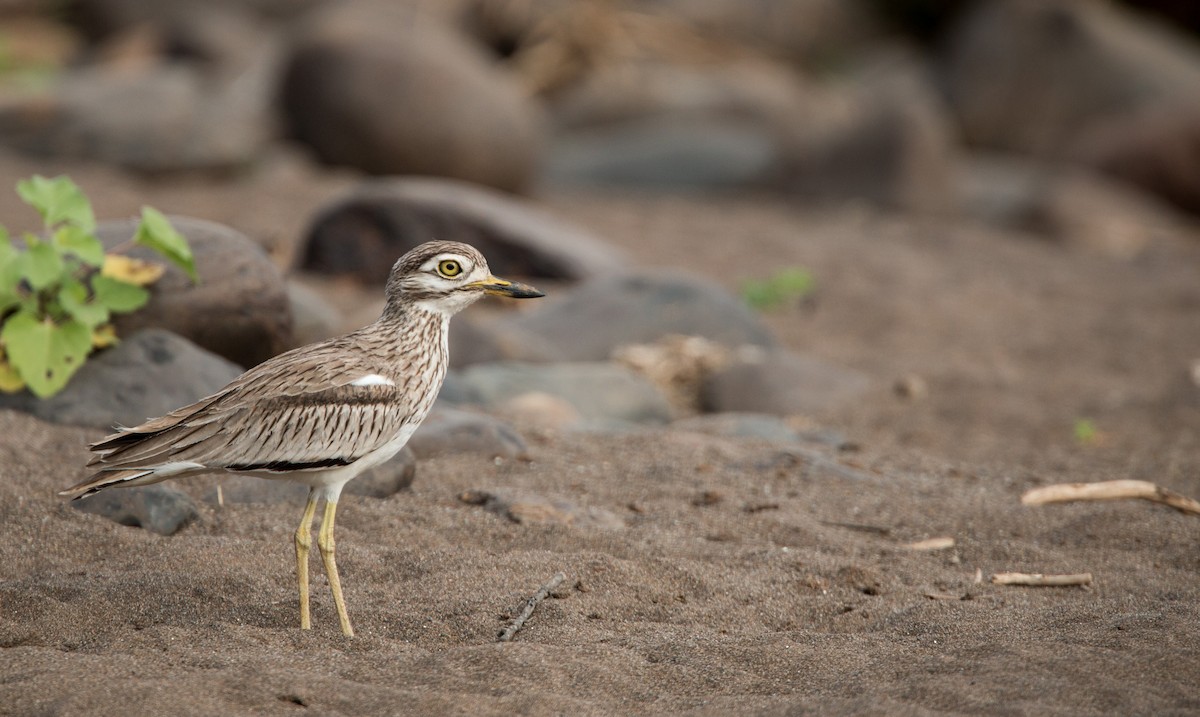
373 379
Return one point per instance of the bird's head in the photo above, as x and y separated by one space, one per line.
445 277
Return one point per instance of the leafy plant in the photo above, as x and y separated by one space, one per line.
59 292
785 286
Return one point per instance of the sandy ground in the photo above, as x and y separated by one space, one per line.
745 580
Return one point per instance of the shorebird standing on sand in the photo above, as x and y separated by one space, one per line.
320 414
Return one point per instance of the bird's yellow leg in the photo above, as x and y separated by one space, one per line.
303 543
326 544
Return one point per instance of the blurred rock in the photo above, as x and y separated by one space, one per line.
665 153
527 508
146 375
590 322
1156 150
781 383
809 31
372 86
596 390
240 308
159 508
1039 76
150 114
387 479
313 318
477 341
740 425
1073 206
885 138
448 431
364 233
540 410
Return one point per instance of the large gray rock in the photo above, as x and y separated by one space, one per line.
155 116
780 383
887 139
239 309
448 431
598 391
1040 76
159 508
146 375
367 85
666 153
600 315
363 234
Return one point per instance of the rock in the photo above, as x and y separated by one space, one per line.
159 508
385 480
448 431
151 117
146 375
363 233
1039 76
665 153
592 321
525 508
540 410
600 391
809 31
240 308
886 139
368 87
1075 206
1146 150
781 383
740 425
313 318
473 341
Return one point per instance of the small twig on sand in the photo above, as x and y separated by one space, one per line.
1111 490
931 544
1039 580
542 593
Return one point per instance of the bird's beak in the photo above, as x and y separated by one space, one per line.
502 287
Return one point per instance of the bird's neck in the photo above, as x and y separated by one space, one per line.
415 333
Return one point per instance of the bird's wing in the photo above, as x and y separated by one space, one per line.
296 412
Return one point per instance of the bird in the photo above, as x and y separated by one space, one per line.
321 414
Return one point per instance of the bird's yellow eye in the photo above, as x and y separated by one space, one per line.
449 268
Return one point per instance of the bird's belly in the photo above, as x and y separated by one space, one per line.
332 479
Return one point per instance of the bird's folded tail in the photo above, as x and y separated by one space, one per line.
110 477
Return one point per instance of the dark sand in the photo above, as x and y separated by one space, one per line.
792 593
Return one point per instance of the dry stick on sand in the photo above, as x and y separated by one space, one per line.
1039 580
542 593
1110 490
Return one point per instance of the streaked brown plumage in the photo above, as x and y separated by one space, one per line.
320 414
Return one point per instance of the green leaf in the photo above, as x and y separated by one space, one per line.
44 353
10 273
41 265
118 296
73 297
58 200
81 243
156 232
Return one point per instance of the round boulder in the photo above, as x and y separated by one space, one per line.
362 234
374 87
239 309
